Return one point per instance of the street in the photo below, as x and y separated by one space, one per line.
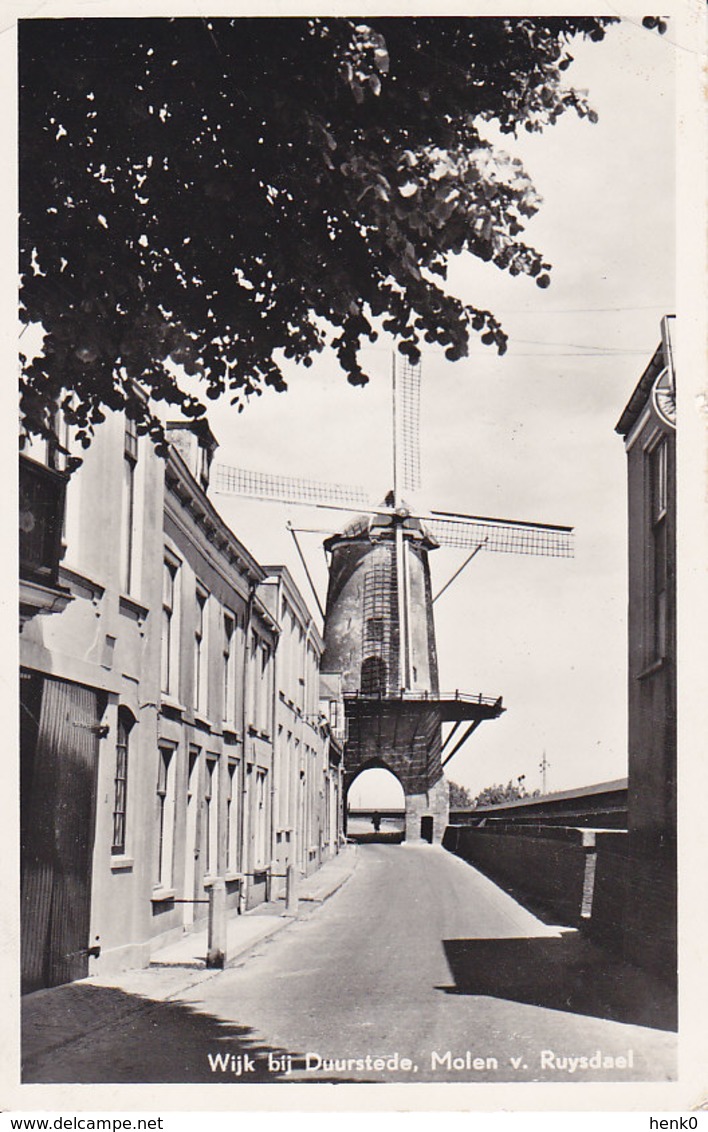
418 969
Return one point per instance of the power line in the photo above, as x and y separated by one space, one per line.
580 310
590 352
575 345
569 354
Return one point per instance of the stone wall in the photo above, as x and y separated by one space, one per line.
552 867
433 805
634 906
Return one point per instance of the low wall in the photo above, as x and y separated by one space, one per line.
634 907
551 866
621 891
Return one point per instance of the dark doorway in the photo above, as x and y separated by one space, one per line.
426 828
59 737
373 676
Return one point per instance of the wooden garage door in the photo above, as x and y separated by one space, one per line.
58 793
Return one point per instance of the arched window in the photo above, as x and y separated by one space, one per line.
373 676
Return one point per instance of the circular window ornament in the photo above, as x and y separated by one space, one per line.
664 398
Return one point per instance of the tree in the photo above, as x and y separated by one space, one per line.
460 797
514 791
223 195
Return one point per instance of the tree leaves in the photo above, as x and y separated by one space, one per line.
220 194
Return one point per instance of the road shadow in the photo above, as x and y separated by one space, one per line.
543 911
566 973
388 837
79 1034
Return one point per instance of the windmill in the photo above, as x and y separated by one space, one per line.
379 627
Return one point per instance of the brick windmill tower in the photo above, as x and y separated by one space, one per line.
379 628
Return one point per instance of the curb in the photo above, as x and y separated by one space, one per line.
331 892
279 923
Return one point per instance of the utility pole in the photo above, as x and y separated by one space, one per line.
543 767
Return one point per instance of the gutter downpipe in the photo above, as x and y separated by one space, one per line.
243 864
275 748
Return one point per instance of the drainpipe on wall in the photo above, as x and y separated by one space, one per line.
274 735
243 864
312 822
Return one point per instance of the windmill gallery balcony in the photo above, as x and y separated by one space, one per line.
41 516
404 729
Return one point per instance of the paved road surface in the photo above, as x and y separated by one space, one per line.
418 960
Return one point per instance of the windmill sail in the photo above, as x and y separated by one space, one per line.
406 425
288 489
502 536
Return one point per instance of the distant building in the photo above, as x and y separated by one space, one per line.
648 426
150 708
308 788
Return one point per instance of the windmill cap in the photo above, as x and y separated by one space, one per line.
375 526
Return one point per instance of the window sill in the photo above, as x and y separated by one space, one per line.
131 608
86 587
202 721
231 878
653 668
121 863
162 895
166 701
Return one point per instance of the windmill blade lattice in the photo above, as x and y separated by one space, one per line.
287 489
407 423
501 536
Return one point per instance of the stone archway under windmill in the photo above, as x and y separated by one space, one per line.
375 806
404 738
403 734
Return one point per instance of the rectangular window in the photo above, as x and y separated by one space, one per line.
660 570
658 486
130 459
285 778
192 805
200 650
165 816
254 681
261 817
375 629
264 691
170 629
228 666
658 465
232 816
120 787
211 810
334 715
